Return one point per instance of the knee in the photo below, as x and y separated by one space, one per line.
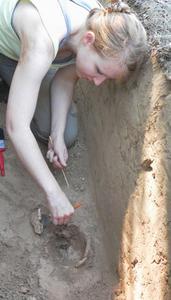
41 129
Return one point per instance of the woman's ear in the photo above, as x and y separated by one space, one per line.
88 38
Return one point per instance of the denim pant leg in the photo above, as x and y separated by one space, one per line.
41 122
7 68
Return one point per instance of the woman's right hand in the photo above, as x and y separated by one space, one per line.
60 208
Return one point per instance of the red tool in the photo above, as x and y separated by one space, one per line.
2 149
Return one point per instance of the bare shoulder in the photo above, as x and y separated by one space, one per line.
29 27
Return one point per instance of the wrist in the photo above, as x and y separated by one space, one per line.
57 135
53 194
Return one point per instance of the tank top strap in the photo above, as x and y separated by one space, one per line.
62 4
86 4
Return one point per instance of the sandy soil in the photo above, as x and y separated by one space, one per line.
130 126
155 15
31 266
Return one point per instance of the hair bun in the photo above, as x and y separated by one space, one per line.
118 6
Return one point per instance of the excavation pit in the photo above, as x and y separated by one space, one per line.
66 244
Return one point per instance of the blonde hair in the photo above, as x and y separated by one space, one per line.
118 33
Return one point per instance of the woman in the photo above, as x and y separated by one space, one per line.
101 43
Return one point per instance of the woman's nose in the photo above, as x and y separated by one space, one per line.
99 80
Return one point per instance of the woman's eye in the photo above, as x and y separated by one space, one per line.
98 71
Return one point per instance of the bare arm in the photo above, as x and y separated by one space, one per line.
61 96
21 105
34 62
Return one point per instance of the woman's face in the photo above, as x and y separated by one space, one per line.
93 67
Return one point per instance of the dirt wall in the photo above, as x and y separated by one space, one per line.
114 119
127 130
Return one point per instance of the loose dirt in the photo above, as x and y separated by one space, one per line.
155 16
31 267
44 267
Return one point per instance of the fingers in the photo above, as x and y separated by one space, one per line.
50 155
57 163
62 220
60 160
54 159
60 217
66 219
64 157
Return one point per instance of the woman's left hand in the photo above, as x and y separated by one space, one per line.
57 152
